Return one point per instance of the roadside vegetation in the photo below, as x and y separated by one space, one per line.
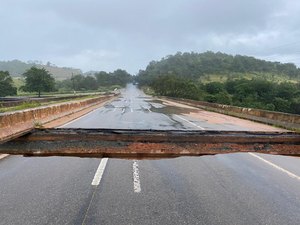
25 105
225 79
6 84
213 77
100 81
31 104
38 81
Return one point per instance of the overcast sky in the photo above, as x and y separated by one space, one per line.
110 34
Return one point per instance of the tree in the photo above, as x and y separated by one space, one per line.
6 84
38 80
120 77
214 87
77 82
173 86
90 83
281 105
103 78
64 85
197 65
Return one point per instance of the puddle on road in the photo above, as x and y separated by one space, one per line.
156 106
109 106
159 107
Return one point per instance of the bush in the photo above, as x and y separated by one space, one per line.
255 93
282 105
6 84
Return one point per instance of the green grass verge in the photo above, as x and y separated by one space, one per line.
277 78
29 105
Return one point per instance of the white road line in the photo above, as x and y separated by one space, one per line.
72 121
275 166
149 110
123 110
136 177
168 118
2 156
131 110
99 172
190 122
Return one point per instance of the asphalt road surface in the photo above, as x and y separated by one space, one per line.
223 189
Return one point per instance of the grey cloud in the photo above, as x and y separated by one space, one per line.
96 35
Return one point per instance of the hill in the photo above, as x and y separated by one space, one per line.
221 78
210 65
16 68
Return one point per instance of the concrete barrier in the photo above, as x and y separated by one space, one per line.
13 124
284 120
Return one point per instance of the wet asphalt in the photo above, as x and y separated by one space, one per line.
221 189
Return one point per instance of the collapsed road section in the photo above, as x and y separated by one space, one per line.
124 143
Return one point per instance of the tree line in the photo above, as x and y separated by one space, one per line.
254 93
180 75
94 82
195 65
40 80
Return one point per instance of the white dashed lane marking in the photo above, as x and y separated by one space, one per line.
136 177
2 156
99 172
201 128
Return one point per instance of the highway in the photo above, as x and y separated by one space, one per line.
242 188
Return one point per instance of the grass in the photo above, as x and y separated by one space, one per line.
38 124
100 90
29 105
277 78
57 94
23 106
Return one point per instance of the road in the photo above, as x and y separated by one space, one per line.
222 189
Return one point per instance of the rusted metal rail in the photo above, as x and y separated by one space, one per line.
118 143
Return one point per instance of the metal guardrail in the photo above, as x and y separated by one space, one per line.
123 143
